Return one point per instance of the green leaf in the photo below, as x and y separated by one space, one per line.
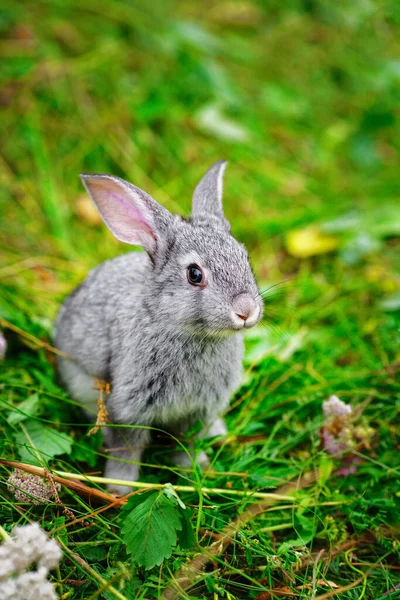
186 535
150 530
37 443
96 553
27 408
249 556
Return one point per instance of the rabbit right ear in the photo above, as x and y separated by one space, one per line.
207 197
130 214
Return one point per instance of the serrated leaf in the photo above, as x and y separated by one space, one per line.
27 408
37 443
133 502
150 530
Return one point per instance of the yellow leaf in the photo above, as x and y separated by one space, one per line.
310 241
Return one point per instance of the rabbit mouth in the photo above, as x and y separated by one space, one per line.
245 311
245 321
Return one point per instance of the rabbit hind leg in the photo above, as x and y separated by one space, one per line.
81 386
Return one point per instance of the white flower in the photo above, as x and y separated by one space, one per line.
52 556
6 562
28 546
8 589
34 585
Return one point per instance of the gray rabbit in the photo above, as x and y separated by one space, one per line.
158 325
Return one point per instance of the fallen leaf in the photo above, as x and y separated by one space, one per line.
328 583
310 241
45 276
321 583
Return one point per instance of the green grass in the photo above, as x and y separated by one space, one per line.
302 98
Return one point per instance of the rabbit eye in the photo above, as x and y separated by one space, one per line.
195 275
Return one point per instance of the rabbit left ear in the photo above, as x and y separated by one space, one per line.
207 197
131 214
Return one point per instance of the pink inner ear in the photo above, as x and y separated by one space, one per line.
123 211
132 214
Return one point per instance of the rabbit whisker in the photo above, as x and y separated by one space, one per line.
272 290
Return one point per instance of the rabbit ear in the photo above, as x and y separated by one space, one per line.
207 197
130 214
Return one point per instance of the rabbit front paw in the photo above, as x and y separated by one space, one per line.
186 460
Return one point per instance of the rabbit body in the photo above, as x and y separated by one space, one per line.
165 328
159 376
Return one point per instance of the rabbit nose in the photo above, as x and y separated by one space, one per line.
244 305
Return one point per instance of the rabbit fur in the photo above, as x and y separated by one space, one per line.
171 350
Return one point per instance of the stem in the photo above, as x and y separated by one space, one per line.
35 340
276 527
178 488
148 486
4 534
346 558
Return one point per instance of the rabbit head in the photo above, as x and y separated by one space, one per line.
200 278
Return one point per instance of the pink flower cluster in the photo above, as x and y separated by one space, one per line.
27 487
340 435
337 435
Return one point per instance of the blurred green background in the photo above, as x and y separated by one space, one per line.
302 97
